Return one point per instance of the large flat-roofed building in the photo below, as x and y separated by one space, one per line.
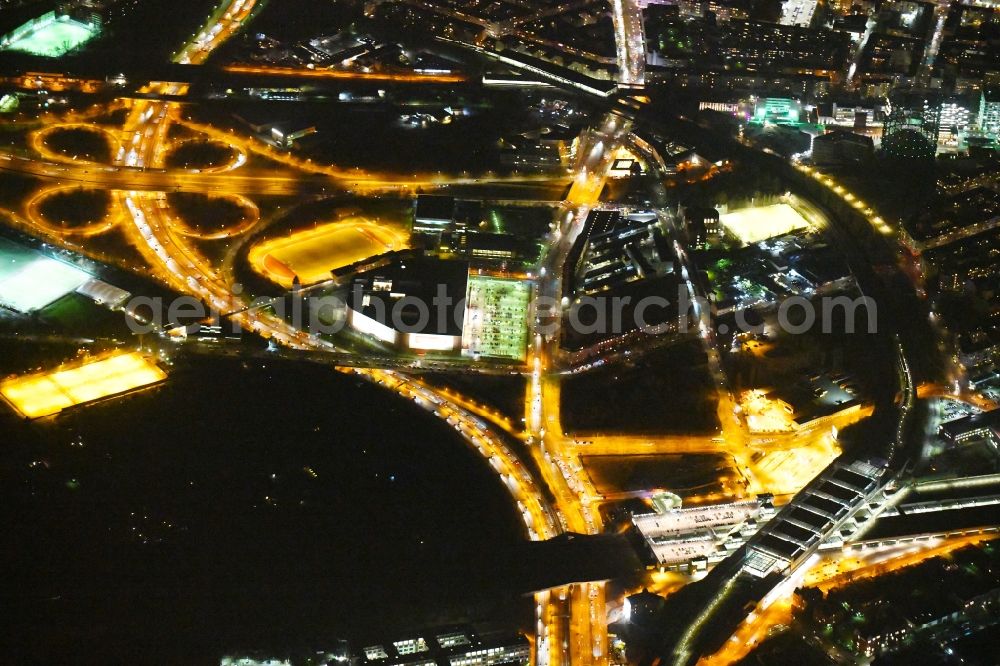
496 318
813 516
839 148
416 304
984 426
989 111
620 248
448 646
532 156
770 46
48 393
433 213
798 12
486 246
777 110
701 536
339 653
619 254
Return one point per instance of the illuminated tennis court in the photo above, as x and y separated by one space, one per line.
752 225
29 281
312 254
48 36
48 393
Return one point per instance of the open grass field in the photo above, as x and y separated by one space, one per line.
686 475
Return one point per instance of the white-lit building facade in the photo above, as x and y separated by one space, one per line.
417 304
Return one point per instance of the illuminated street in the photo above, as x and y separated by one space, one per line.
691 291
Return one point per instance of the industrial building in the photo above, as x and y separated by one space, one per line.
417 304
448 646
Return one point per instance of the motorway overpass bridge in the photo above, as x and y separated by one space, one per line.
260 182
99 176
22 71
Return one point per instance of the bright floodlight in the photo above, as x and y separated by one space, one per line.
40 282
752 225
48 393
49 36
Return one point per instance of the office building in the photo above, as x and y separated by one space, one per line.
702 224
432 213
677 538
977 427
448 646
839 148
989 111
911 129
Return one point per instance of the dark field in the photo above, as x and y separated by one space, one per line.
684 475
244 506
80 143
664 391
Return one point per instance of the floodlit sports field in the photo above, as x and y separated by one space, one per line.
314 253
51 37
30 281
496 317
48 393
752 225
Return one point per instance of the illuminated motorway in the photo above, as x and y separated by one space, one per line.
299 176
539 518
334 74
630 41
137 180
571 621
167 180
582 638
